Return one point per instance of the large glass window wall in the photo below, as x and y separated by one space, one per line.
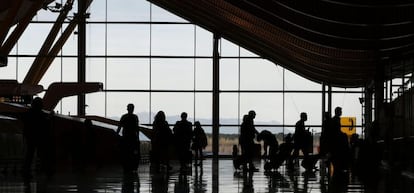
158 61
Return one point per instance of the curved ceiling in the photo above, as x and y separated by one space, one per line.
344 44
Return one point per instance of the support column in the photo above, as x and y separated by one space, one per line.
368 106
81 53
216 112
323 101
330 99
216 95
379 91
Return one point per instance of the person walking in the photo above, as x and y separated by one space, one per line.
199 143
300 138
183 133
130 145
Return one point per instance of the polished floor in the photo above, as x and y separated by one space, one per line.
212 177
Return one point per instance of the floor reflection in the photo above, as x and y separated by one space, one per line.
203 179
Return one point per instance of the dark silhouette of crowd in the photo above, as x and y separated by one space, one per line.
185 143
181 140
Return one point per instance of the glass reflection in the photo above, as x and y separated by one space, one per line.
130 183
200 184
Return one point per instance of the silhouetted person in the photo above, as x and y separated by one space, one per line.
130 146
183 133
338 144
161 141
37 135
199 143
270 144
284 154
246 140
301 137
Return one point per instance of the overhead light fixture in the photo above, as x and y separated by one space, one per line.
3 60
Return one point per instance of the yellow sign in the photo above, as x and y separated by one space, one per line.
348 125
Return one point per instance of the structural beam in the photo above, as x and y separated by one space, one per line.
82 6
36 76
9 19
33 75
18 31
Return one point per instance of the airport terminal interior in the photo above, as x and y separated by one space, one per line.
72 70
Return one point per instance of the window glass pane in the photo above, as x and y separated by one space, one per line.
172 74
208 131
229 111
160 14
228 48
71 45
128 73
173 104
346 89
117 105
296 82
259 74
204 74
52 74
310 103
289 129
70 70
95 70
268 107
204 42
46 15
68 106
229 75
33 37
95 104
247 53
349 103
227 138
23 65
95 39
9 72
203 111
97 11
126 39
170 40
128 10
